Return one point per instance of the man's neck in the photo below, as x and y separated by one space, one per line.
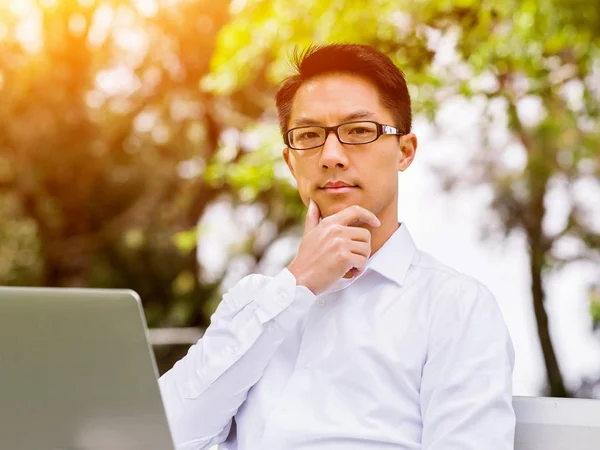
381 234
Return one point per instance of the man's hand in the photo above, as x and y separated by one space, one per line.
332 247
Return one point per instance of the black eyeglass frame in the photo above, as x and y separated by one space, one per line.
381 130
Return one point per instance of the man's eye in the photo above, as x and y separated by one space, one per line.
360 130
308 135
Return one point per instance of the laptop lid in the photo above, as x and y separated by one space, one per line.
77 373
546 423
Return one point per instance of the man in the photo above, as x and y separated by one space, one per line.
363 341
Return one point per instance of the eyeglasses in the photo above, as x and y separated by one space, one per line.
353 133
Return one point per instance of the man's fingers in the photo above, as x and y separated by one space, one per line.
360 248
359 234
355 215
358 262
312 217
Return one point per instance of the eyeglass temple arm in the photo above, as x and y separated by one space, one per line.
387 129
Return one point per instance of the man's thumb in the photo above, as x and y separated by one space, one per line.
312 217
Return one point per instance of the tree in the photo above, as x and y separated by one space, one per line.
512 56
110 152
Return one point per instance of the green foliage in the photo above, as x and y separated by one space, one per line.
19 246
107 146
595 306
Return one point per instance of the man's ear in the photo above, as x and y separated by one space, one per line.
286 156
408 148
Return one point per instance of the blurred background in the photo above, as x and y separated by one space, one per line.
139 149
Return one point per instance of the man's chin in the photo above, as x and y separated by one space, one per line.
333 207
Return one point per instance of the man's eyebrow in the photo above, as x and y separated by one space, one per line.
356 115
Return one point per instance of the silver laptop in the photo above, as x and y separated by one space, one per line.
77 373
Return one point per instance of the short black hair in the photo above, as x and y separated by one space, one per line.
355 59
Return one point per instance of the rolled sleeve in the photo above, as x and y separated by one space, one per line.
204 390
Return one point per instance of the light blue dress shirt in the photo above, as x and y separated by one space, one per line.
409 355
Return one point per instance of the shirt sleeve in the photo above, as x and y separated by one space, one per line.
466 386
204 390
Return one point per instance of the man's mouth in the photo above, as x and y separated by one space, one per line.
337 187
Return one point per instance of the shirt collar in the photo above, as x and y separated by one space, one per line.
393 259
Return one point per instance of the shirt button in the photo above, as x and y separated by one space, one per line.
230 350
306 365
282 297
321 302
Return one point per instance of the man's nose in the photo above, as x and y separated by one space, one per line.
333 153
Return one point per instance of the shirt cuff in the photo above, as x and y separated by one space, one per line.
281 294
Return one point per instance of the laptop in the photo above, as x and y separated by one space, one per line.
546 423
77 373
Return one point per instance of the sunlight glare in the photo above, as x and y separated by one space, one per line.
3 31
146 121
147 8
77 24
48 4
21 8
101 22
161 134
236 6
29 33
117 81
95 99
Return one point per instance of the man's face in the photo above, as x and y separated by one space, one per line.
371 169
